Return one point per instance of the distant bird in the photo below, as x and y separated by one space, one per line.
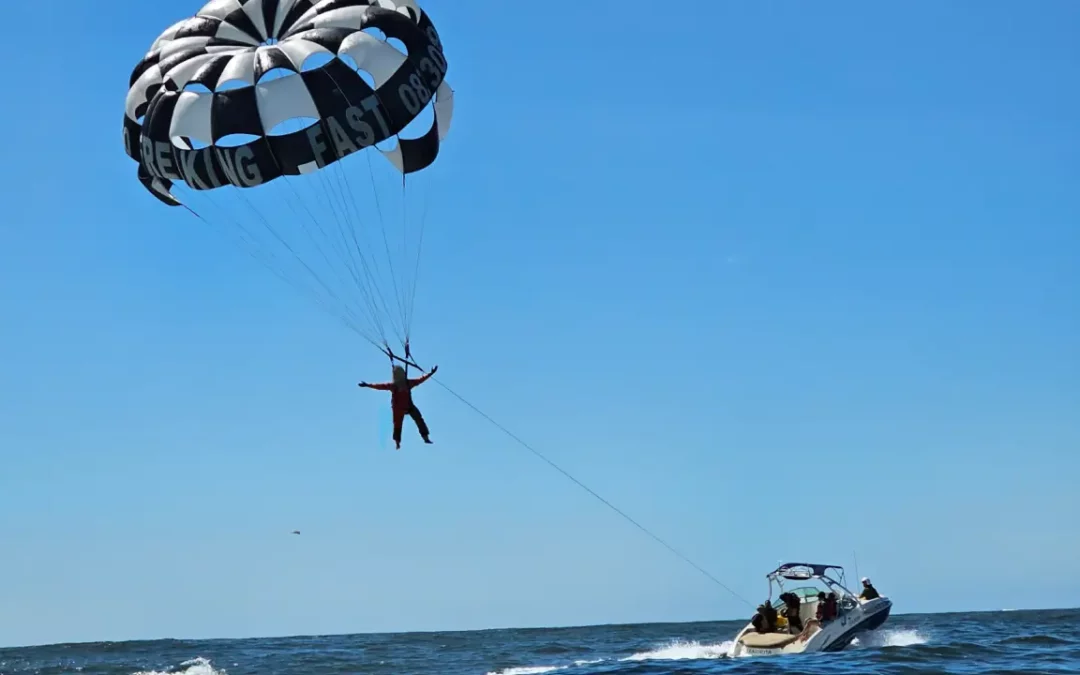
296 531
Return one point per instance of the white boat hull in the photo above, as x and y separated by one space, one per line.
828 637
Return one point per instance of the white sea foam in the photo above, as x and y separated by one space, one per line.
894 637
676 650
539 670
196 666
527 670
681 650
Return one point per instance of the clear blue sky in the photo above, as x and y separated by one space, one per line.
782 280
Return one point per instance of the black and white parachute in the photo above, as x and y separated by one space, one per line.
250 94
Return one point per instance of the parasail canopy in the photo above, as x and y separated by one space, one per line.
247 94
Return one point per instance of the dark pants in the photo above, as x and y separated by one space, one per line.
413 412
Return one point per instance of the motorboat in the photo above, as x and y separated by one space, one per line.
853 614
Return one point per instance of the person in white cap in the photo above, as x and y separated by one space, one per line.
868 590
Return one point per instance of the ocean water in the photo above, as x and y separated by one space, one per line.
991 642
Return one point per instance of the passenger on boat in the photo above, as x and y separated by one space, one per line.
869 592
759 622
764 620
826 607
791 612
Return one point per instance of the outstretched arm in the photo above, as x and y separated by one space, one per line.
384 386
422 379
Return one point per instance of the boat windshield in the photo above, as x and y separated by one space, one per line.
805 593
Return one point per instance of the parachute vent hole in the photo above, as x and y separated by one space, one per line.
316 61
292 126
236 140
388 144
398 45
393 42
353 66
276 74
229 85
367 77
375 33
421 124
189 143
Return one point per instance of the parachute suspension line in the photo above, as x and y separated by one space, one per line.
345 312
344 226
347 262
271 260
416 268
273 231
346 189
614 508
307 211
406 362
404 248
399 295
303 290
342 174
344 250
248 240
386 247
346 308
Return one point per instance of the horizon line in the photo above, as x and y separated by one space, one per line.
491 629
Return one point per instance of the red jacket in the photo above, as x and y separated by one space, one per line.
401 397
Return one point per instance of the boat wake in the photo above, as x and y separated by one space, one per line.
692 650
676 650
680 650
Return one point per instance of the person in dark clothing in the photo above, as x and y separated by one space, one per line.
868 592
826 607
764 620
770 616
758 620
401 401
791 611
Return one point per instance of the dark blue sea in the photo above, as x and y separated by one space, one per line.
993 642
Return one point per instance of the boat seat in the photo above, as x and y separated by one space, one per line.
767 640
